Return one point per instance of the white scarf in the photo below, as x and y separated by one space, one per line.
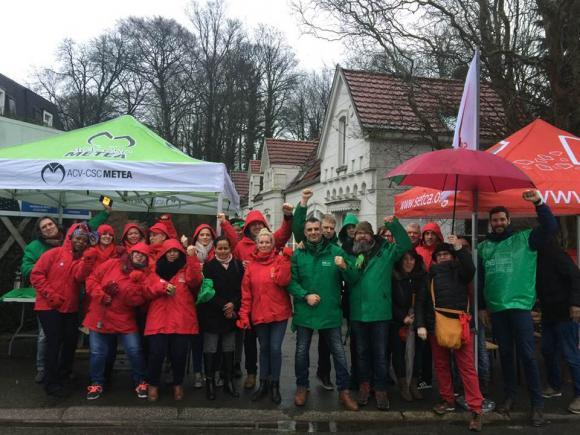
202 251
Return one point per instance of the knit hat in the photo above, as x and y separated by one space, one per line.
443 247
364 227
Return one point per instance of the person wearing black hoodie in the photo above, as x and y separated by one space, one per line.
409 279
558 287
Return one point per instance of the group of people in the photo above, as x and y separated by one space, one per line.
396 288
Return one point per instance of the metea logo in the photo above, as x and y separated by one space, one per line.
53 173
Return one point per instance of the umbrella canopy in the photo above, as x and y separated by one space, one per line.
548 155
122 159
460 169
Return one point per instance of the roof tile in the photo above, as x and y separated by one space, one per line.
289 152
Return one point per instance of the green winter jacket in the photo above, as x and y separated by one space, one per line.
510 272
314 271
370 297
36 248
298 222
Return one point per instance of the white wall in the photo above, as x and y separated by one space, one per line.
13 132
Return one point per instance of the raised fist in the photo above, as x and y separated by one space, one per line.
287 209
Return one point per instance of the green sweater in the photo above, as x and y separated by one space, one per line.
36 248
314 272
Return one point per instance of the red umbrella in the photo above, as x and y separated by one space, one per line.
460 169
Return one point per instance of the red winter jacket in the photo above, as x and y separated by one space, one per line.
227 230
264 295
246 247
57 277
426 252
174 314
125 286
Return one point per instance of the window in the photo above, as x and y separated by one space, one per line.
340 194
325 174
342 141
9 106
2 100
46 118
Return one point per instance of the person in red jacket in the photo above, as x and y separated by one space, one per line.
244 250
157 235
172 318
203 237
57 278
431 236
266 305
115 288
167 220
132 234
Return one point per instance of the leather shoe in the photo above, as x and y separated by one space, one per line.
152 393
347 401
301 396
177 392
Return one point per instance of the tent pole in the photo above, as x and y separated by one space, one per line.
577 240
60 207
474 226
220 201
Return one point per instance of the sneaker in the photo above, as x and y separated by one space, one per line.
422 385
325 382
94 391
475 423
141 390
549 393
219 381
197 380
39 378
250 381
443 407
382 399
574 407
364 392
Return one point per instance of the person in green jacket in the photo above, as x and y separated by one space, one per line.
370 304
49 235
317 274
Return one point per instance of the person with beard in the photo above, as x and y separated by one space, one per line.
414 233
48 235
132 234
450 274
317 274
115 288
172 317
244 251
409 278
370 304
57 277
507 273
266 307
431 236
217 317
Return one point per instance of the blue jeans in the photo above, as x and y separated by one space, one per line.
101 346
40 347
483 366
333 339
558 338
515 328
372 335
270 337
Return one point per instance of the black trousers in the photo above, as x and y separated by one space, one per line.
61 330
173 346
251 351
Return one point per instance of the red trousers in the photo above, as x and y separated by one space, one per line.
465 362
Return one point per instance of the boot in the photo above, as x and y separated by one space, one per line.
347 401
229 386
415 393
262 390
404 390
178 392
275 392
209 363
152 393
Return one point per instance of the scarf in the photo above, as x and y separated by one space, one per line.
105 252
226 262
54 241
203 251
167 270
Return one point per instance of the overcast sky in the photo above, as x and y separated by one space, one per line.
32 29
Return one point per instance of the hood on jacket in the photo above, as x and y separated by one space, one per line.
349 219
171 244
254 216
432 226
105 228
128 227
141 247
198 230
159 228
